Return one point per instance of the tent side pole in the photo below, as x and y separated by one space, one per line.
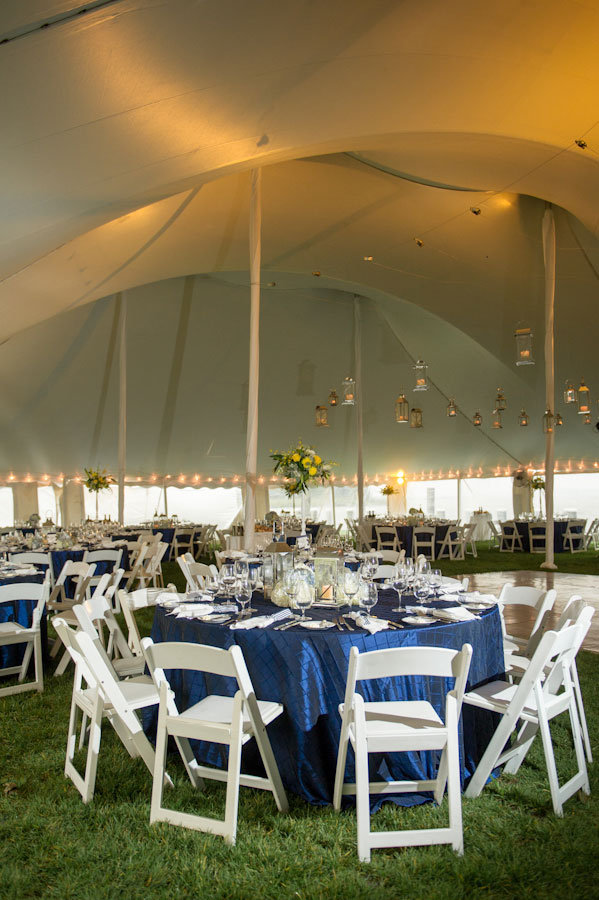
549 260
122 451
359 417
251 459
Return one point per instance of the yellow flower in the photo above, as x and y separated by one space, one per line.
306 462
312 471
296 457
317 460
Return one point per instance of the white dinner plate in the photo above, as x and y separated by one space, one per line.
418 620
316 625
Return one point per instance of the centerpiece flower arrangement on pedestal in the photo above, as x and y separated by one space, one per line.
300 467
96 481
537 483
388 491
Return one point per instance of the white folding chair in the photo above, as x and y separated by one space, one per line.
466 536
183 540
392 556
539 601
574 610
12 633
81 573
219 558
544 692
106 696
91 617
35 558
537 537
404 726
139 561
423 541
574 537
386 538
363 537
130 604
154 564
495 539
112 557
231 721
510 539
452 545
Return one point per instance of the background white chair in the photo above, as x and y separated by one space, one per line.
574 537
538 601
231 721
12 633
386 538
423 541
405 726
113 558
35 558
510 539
544 692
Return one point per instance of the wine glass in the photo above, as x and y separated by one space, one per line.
304 596
243 595
369 598
372 564
399 581
351 585
242 569
421 588
227 577
436 579
212 585
291 586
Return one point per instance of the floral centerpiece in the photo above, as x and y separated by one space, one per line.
388 490
300 467
96 481
537 483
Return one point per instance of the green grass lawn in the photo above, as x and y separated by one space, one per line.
55 846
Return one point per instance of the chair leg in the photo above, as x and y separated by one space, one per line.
550 763
341 761
189 759
268 758
578 746
581 713
362 798
26 660
156 810
454 796
62 665
233 774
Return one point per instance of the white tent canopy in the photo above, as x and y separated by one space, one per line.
128 133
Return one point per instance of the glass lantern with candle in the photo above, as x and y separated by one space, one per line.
416 418
584 399
349 391
402 409
420 372
322 417
524 355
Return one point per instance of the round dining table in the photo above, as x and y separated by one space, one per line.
306 671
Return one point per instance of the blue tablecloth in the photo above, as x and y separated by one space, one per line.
306 672
20 611
405 533
60 557
559 530
167 536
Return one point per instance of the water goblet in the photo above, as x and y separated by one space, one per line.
227 577
421 589
242 569
291 586
436 579
212 585
369 598
351 585
243 595
304 596
399 581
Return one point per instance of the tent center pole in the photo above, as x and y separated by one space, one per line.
359 418
251 459
549 260
122 451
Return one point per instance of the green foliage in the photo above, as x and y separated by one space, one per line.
388 490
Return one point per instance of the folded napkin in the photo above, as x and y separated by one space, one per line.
419 610
453 614
451 588
368 624
476 597
262 621
168 596
193 610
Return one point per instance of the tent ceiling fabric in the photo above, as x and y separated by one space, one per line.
126 134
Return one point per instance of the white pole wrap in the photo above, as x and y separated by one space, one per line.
122 404
251 460
359 419
549 259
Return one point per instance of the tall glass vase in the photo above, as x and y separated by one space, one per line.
305 510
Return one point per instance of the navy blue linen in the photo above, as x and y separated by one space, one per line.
20 611
167 536
405 534
306 671
60 557
559 530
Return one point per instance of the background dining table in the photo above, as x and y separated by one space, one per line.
21 611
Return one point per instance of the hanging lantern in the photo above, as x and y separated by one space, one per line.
349 391
333 398
587 419
523 418
570 393
558 420
548 422
477 419
402 409
420 370
496 423
416 418
452 409
500 403
584 399
524 355
322 417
